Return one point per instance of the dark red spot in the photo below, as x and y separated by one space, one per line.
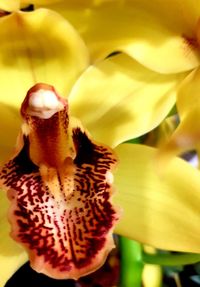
191 42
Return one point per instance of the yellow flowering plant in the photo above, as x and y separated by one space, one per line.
114 100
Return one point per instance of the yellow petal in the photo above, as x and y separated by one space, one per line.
38 46
119 99
167 43
162 133
70 4
9 128
188 94
39 2
186 136
182 13
9 5
157 37
162 211
12 256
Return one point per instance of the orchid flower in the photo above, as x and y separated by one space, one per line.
174 37
172 33
168 44
96 108
160 36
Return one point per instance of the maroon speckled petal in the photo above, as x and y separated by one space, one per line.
60 206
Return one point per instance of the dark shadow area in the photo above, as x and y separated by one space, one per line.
106 276
26 276
28 8
186 277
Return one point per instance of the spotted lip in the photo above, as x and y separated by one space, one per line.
60 193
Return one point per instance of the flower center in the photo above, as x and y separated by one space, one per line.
60 185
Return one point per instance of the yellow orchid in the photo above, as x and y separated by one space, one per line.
174 36
168 44
186 137
172 33
148 32
109 100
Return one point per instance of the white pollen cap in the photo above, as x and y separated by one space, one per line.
44 104
44 99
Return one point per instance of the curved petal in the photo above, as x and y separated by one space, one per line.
188 94
119 99
186 136
40 2
67 4
156 37
12 256
9 126
11 5
38 46
156 207
162 133
75 4
189 10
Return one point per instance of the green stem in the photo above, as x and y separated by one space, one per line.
131 263
171 259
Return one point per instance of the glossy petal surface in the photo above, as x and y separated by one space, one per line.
188 94
187 136
35 46
41 2
158 206
32 50
12 256
60 210
9 121
123 99
161 38
69 4
11 5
